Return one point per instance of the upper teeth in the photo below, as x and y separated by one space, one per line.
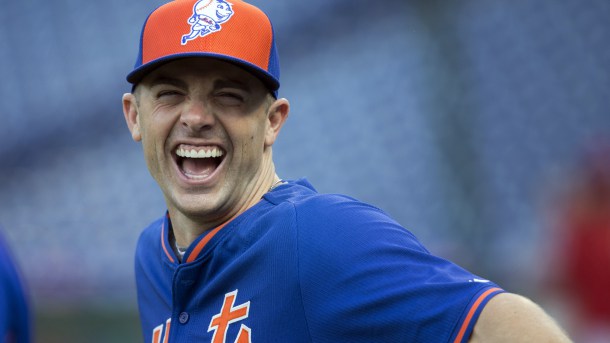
201 153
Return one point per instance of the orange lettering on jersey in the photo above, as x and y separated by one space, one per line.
167 325
230 314
156 336
244 335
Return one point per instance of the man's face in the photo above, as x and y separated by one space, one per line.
205 133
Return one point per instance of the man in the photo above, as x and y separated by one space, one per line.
242 255
14 310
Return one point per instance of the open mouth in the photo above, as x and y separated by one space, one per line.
198 162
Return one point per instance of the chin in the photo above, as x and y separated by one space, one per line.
195 205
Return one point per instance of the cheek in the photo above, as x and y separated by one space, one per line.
154 136
256 141
158 126
247 133
251 149
247 136
148 137
150 153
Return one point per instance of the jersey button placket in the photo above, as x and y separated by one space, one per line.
183 317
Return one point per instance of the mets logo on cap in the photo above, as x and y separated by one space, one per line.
207 17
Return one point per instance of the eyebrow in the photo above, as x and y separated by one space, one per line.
218 84
165 80
228 83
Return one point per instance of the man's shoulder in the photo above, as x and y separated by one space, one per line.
302 195
314 212
154 228
151 235
291 191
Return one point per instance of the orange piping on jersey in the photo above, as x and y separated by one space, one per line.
473 309
193 255
163 243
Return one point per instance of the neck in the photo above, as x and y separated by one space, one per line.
187 227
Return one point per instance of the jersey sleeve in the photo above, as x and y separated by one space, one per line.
365 278
15 320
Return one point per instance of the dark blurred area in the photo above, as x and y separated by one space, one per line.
461 119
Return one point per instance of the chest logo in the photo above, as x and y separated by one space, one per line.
228 315
207 17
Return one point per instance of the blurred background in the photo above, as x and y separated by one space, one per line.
471 122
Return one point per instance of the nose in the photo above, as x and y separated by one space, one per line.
197 115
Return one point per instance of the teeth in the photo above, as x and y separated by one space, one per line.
202 153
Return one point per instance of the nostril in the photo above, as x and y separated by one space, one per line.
197 117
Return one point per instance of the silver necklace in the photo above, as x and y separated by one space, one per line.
277 183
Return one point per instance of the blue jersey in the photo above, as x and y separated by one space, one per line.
14 311
300 266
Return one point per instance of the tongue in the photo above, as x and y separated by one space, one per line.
201 167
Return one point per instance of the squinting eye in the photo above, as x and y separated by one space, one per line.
167 93
230 99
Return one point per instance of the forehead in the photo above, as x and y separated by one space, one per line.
198 69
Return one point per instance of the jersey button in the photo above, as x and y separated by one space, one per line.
183 318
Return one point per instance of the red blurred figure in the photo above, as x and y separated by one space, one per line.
584 260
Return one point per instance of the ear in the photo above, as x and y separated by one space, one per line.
130 110
277 115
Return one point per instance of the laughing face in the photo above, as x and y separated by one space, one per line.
223 11
206 128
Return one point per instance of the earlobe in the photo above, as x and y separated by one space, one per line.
130 111
277 115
